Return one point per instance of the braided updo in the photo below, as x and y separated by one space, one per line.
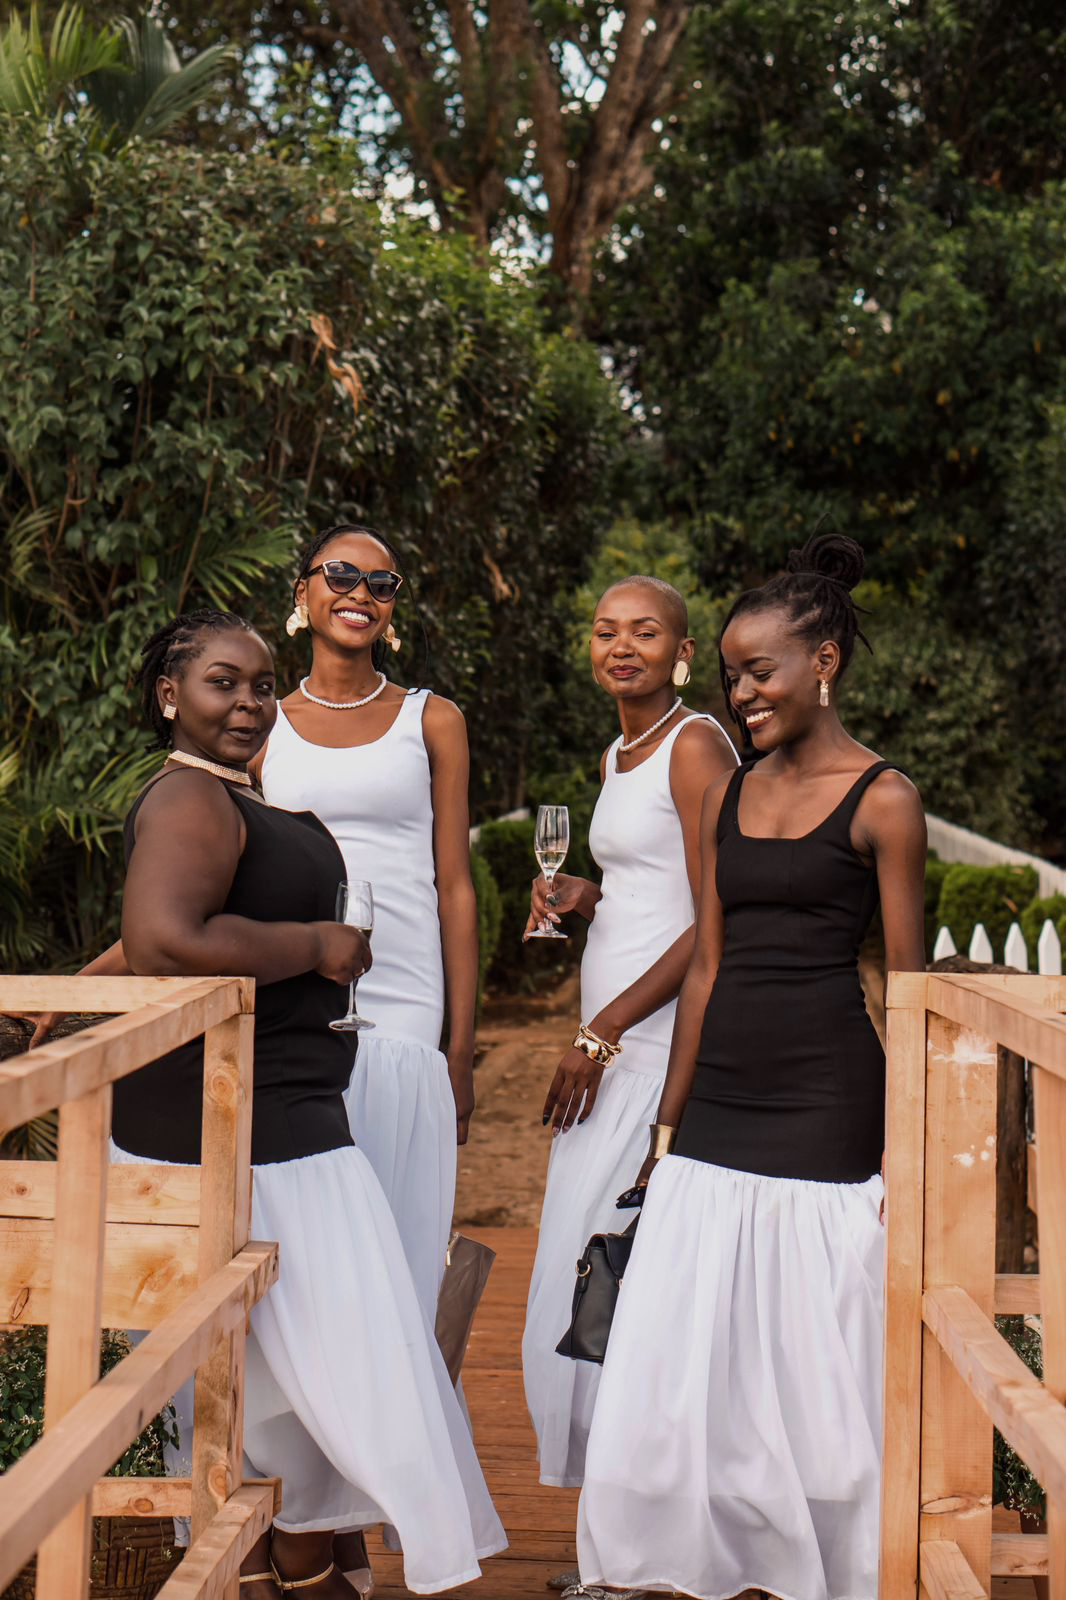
814 592
169 651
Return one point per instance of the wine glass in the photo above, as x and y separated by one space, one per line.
550 843
355 906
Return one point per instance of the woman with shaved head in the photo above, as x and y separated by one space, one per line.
645 839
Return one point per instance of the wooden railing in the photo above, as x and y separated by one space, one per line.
85 1245
949 1374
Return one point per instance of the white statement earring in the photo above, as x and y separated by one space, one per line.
170 712
296 620
681 674
823 693
392 638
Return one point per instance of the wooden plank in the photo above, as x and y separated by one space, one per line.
1017 1294
147 1270
1050 1106
960 1248
904 1229
65 1069
89 996
1036 989
946 1573
1030 1030
74 1334
65 1464
1029 1418
209 1570
143 1193
158 1497
905 991
1019 1555
224 1224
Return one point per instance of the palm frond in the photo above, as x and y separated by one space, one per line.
38 80
155 91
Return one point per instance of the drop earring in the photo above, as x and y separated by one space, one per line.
170 712
392 638
823 694
681 674
296 620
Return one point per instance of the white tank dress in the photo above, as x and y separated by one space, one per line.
646 904
376 800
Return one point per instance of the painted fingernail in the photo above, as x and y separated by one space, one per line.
544 1120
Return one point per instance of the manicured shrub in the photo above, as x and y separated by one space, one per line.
1036 914
935 873
489 914
995 896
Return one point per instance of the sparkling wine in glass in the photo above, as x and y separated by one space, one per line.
355 906
551 842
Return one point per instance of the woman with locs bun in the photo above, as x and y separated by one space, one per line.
645 838
735 1445
347 1397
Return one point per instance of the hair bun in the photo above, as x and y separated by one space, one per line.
830 555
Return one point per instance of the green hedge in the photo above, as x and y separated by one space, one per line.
995 896
1036 914
489 915
935 873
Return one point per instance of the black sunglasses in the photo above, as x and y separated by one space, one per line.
342 577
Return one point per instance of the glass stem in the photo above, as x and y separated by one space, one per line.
351 998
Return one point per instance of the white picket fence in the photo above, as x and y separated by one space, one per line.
1015 950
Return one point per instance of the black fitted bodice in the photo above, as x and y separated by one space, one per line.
288 872
790 1073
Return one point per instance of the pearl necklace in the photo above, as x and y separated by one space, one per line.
342 705
624 749
216 769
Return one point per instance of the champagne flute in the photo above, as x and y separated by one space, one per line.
550 843
355 906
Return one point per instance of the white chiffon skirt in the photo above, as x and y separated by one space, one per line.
589 1168
736 1440
347 1399
402 1115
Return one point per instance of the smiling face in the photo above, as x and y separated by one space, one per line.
774 678
224 698
353 620
635 642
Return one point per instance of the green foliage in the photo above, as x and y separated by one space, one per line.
996 896
203 359
23 1356
935 873
507 850
120 81
1036 914
489 917
1013 1485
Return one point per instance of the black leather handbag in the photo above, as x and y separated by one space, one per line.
599 1274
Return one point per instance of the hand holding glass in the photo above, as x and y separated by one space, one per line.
551 842
355 907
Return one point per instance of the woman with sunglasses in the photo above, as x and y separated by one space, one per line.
386 770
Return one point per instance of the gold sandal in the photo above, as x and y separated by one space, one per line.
285 1584
256 1577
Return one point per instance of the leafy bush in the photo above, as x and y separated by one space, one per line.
935 873
1036 914
23 1355
996 896
489 914
1013 1484
204 358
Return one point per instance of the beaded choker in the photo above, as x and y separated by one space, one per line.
215 768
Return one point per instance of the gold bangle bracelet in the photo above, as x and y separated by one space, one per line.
598 1050
662 1139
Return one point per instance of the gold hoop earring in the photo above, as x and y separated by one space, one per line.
392 638
296 620
681 674
823 693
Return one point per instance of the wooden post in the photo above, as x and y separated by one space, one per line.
960 1248
904 1226
1050 1096
74 1324
225 1218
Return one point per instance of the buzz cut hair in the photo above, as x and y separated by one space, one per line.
673 600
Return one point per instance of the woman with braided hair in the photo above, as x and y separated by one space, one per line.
735 1444
347 1397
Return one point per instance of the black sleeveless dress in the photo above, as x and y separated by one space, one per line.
288 872
790 1073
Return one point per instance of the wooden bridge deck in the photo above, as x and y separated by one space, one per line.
540 1522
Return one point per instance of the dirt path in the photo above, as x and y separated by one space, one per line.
501 1168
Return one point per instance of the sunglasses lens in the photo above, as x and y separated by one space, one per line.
382 585
340 576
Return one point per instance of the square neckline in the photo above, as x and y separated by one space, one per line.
797 838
